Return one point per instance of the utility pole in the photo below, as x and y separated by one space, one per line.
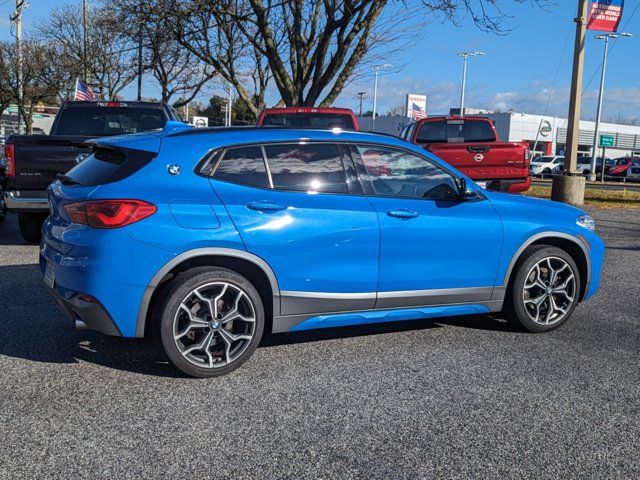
140 52
569 187
17 17
360 96
85 41
229 106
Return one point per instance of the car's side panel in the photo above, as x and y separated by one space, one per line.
324 243
447 245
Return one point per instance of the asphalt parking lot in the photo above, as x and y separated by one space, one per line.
458 398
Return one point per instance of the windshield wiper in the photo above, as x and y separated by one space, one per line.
66 179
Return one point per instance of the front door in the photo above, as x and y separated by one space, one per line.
434 248
298 207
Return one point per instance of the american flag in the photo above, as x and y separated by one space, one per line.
84 92
416 111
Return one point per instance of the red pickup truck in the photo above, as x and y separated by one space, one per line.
471 145
309 117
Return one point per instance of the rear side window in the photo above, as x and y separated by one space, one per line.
243 165
309 120
109 165
102 121
307 168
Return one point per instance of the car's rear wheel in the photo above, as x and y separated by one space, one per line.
211 320
544 289
31 226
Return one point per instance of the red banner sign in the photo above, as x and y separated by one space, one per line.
605 15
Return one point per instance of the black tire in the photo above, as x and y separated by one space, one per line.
515 309
31 226
180 289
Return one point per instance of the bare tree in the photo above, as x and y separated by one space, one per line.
216 34
42 76
179 73
311 48
111 56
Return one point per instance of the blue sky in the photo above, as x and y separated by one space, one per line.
517 72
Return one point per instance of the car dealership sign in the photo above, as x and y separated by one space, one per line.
605 15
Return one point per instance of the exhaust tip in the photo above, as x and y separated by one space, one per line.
80 325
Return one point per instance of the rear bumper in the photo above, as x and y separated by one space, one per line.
91 315
27 201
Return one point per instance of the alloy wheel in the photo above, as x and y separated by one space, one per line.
549 291
214 324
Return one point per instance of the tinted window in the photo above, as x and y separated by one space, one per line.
106 166
456 131
313 168
244 165
101 121
402 174
309 120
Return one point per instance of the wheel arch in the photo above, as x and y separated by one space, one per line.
573 245
254 268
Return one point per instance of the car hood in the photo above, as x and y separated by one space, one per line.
535 209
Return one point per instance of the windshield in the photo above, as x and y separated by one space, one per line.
309 120
102 121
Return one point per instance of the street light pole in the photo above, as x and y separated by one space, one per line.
596 132
465 56
376 69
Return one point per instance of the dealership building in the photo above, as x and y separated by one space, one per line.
547 133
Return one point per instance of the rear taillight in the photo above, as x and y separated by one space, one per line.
109 213
10 160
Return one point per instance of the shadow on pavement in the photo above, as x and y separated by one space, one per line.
32 328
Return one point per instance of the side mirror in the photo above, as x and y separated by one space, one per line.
462 187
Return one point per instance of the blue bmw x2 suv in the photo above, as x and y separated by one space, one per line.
211 238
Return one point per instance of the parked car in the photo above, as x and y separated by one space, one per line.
471 145
33 161
212 238
622 165
309 117
633 173
584 165
545 166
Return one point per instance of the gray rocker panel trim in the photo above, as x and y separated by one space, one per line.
203 252
296 302
550 234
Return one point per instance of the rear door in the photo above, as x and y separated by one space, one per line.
298 206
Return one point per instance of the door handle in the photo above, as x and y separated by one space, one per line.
402 213
265 207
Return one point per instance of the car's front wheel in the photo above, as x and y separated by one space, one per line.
544 289
211 320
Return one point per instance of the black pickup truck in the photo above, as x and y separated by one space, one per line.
34 161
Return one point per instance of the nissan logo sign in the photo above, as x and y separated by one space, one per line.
479 157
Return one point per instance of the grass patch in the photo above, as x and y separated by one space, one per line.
597 197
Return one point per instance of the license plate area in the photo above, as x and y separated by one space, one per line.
482 184
49 277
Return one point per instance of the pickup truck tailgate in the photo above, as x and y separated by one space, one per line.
480 161
42 157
